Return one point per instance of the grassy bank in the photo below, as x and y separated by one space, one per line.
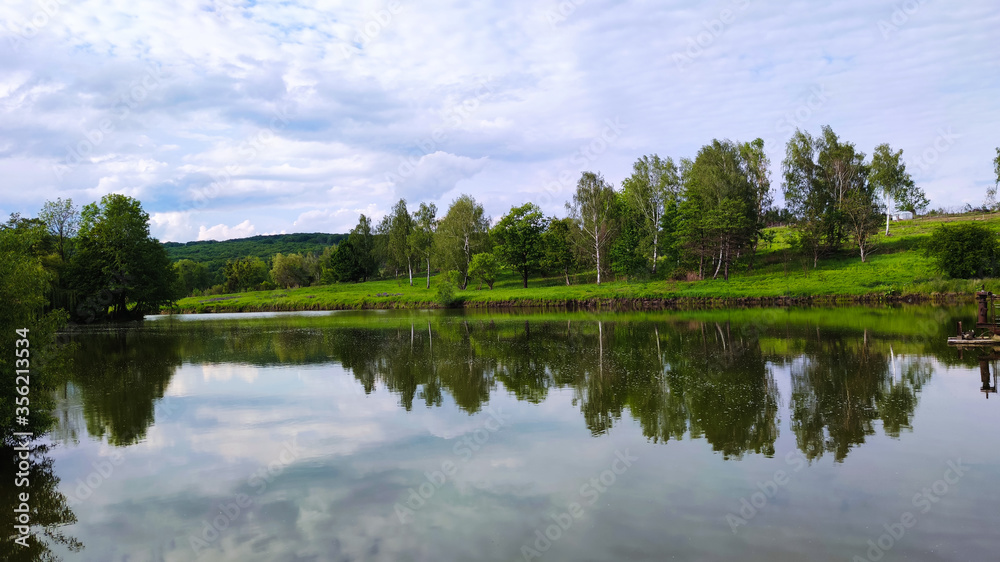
898 269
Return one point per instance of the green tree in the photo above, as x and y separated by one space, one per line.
62 218
191 276
627 257
718 214
362 241
889 175
558 242
484 267
289 270
343 265
245 274
593 208
422 235
119 271
462 233
757 168
400 229
653 182
808 197
965 250
518 239
24 284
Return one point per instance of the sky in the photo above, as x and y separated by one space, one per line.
231 118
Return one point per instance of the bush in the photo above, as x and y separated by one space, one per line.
965 250
446 293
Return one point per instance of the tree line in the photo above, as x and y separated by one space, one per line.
694 218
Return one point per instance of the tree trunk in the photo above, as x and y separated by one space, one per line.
597 252
566 273
409 268
655 236
428 272
718 265
525 275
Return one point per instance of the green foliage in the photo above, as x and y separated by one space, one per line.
119 271
62 218
214 254
245 274
485 268
24 283
293 270
518 239
593 209
889 176
719 215
558 243
362 240
627 257
965 250
653 183
401 226
191 276
421 238
445 295
462 233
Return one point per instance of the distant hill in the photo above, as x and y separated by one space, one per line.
214 253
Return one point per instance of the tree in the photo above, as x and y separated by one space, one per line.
518 239
558 241
757 168
289 271
422 235
119 271
484 267
462 233
863 216
593 208
965 250
627 257
363 245
653 182
62 219
807 196
244 274
718 214
400 229
889 175
343 266
191 276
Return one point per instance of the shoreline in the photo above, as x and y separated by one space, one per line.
612 304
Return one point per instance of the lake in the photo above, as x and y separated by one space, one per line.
803 434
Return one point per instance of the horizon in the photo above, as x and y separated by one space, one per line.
246 118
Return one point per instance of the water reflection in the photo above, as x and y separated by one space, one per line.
704 378
47 508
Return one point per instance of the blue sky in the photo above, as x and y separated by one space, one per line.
228 118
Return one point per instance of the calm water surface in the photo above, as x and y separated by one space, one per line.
751 435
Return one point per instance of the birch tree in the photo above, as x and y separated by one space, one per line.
593 208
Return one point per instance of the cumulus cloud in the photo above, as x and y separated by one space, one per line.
223 232
222 111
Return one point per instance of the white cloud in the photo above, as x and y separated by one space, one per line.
223 232
256 105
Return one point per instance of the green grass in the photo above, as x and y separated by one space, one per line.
898 266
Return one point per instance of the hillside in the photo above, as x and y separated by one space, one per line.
214 253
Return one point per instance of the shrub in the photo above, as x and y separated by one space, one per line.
965 250
446 293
